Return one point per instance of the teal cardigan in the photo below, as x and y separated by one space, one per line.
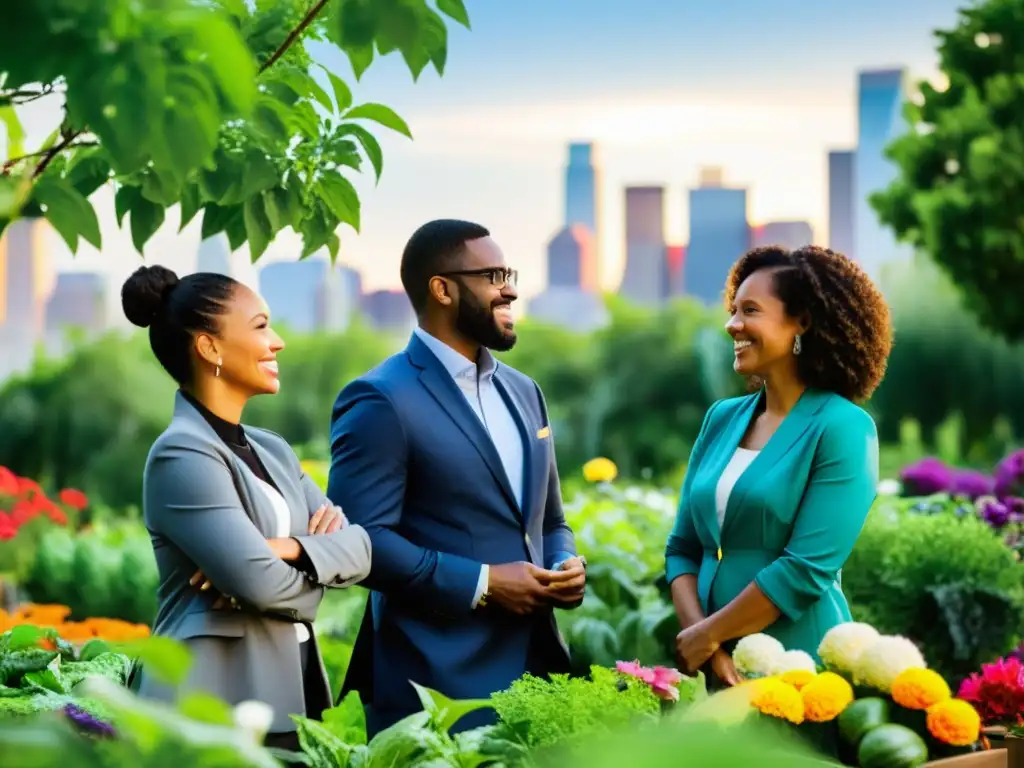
793 515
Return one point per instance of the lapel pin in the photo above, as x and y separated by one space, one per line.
543 432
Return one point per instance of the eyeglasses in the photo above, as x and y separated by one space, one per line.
499 276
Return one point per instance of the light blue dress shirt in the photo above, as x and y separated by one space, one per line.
476 382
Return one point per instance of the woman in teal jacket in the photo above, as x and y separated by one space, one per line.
779 482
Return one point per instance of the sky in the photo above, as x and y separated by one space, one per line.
762 88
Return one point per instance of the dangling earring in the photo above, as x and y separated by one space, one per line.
220 362
797 345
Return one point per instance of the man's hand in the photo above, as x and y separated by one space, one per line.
724 669
523 587
327 519
571 590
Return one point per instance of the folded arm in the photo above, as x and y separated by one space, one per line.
339 559
368 480
192 501
839 494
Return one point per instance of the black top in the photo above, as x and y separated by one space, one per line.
234 437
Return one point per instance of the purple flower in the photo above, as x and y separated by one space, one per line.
994 512
967 482
1010 475
86 722
926 477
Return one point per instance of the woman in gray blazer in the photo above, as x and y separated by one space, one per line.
245 542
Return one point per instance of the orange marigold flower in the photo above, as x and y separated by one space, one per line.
918 688
954 721
825 697
778 699
798 678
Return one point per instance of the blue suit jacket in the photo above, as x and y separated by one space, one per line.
412 464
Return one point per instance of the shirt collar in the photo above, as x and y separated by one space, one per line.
453 362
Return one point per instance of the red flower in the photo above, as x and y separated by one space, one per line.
58 517
27 488
22 512
8 530
74 498
8 482
997 693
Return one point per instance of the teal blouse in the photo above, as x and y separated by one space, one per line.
792 517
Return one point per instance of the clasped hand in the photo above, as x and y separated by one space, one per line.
327 519
523 587
695 646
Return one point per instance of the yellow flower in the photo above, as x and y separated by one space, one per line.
600 470
798 678
775 698
954 721
918 688
825 697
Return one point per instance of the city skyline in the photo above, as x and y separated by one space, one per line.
765 98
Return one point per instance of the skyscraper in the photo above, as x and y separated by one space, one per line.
214 255
296 292
676 257
880 97
841 201
571 259
26 280
76 306
788 234
582 191
719 234
645 280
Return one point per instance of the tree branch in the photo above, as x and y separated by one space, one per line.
8 164
54 151
295 34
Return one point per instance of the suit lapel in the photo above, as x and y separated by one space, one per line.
790 431
447 394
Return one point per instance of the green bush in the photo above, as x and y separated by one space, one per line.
947 582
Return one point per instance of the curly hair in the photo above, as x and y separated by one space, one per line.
846 347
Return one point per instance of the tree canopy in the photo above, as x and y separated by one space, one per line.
206 104
959 196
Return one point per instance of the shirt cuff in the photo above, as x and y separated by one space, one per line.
481 585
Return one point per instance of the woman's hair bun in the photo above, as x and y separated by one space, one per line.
145 291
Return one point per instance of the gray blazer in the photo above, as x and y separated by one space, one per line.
204 509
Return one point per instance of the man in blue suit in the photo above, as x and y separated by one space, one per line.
445 457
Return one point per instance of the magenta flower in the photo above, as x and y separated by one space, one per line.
967 482
664 681
926 477
1010 475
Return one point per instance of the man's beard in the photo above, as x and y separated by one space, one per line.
476 322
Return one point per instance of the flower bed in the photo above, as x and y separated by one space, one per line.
55 617
875 702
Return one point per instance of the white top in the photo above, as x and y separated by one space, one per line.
734 469
283 518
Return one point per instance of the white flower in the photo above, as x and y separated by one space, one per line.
889 487
884 660
757 655
792 660
843 644
254 717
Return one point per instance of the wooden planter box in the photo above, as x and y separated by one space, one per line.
992 758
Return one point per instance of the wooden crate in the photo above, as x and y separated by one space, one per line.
992 758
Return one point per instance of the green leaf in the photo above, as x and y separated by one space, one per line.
434 39
205 708
360 58
25 636
88 170
236 232
379 114
191 121
165 659
305 120
258 174
229 60
270 118
123 199
146 219
348 719
446 712
316 230
189 204
257 227
340 197
342 93
160 187
369 144
275 203
333 246
456 10
68 211
216 218
15 131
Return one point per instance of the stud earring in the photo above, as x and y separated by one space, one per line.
220 362
797 345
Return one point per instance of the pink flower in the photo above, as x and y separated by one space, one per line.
997 693
664 681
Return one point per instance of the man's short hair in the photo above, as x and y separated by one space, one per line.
434 248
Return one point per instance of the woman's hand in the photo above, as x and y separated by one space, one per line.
327 519
205 585
724 669
694 646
